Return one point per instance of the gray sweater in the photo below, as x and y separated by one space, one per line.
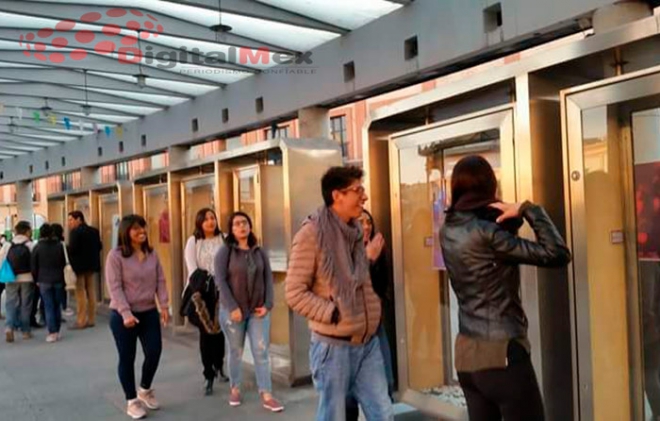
239 290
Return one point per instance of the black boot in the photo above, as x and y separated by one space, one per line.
221 375
209 387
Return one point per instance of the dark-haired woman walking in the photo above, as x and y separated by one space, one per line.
200 297
483 252
245 282
135 278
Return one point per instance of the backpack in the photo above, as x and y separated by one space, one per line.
18 257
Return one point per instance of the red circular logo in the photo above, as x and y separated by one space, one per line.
111 40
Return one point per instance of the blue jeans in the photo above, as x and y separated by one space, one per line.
18 303
342 370
51 295
258 331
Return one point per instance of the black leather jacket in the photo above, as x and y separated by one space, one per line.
483 262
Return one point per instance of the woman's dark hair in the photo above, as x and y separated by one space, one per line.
45 231
231 240
371 221
338 178
473 177
58 232
199 220
124 236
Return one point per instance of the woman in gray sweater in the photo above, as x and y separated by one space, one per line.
245 282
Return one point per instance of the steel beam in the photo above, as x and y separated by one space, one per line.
22 130
30 140
66 77
172 26
46 90
255 9
105 64
56 105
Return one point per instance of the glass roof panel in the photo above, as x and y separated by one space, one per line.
349 14
120 107
160 99
114 118
181 87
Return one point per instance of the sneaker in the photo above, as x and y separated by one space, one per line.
272 404
9 336
235 397
68 312
52 337
27 336
135 409
147 397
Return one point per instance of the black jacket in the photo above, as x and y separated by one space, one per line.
483 261
48 262
199 302
85 249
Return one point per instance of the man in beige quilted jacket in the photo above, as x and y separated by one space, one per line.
328 283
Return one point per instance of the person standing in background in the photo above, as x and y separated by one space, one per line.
85 255
48 262
200 298
58 233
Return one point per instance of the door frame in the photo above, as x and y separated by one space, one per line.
628 92
500 118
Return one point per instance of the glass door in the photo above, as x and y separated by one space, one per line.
426 309
612 156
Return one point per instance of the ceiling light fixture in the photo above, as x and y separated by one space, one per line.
220 29
86 109
140 77
12 126
46 109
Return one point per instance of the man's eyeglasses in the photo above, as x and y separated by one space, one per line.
355 189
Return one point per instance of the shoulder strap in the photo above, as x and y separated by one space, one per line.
66 254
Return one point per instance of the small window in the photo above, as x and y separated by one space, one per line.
225 115
259 104
493 17
144 140
2 175
195 125
31 168
121 147
339 132
349 71
63 161
411 48
100 151
47 165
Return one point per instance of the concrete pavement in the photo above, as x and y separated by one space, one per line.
75 380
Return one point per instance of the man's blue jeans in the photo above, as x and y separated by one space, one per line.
258 331
18 303
342 370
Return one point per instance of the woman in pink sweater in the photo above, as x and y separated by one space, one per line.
135 278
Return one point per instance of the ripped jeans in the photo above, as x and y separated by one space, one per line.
258 331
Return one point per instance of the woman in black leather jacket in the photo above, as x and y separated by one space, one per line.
482 252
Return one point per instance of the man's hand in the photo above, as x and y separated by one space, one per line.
131 322
260 312
236 315
164 317
509 210
375 247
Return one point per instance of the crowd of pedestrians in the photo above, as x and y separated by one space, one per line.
338 279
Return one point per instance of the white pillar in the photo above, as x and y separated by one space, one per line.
24 203
314 123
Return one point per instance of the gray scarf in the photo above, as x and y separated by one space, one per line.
344 256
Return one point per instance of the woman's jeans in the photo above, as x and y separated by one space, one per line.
148 332
51 295
18 303
258 331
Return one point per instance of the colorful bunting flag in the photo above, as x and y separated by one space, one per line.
120 132
52 119
67 123
36 116
108 131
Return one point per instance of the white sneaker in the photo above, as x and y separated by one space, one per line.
148 398
68 312
135 409
52 337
